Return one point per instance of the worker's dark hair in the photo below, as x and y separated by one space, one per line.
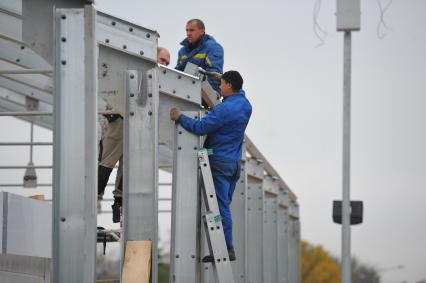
234 78
199 23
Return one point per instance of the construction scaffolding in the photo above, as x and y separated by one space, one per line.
62 63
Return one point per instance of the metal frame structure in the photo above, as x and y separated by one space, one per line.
95 53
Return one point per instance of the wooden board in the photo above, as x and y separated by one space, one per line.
137 262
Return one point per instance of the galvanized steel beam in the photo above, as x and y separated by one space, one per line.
184 255
74 194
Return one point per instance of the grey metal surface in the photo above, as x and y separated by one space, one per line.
270 232
293 242
141 153
112 65
239 227
25 71
14 265
14 102
37 28
20 54
180 85
11 6
126 37
254 221
346 160
222 269
26 90
282 227
10 25
74 194
185 206
166 125
254 168
26 113
26 226
3 223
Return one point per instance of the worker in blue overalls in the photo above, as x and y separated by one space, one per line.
224 126
200 49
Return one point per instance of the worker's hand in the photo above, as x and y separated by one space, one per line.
215 76
175 114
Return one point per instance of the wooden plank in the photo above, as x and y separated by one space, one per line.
137 262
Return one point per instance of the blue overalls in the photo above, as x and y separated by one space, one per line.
225 126
208 54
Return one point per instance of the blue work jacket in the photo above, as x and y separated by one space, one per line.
208 54
224 126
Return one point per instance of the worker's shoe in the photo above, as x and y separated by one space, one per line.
209 258
116 210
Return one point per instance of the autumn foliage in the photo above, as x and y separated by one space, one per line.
318 266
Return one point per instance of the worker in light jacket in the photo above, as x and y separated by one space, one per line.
200 49
224 126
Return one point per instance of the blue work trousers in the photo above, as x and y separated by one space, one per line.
225 177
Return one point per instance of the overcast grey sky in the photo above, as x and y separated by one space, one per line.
296 92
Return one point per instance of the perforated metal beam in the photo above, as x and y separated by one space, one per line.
74 194
185 207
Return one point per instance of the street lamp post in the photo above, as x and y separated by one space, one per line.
348 20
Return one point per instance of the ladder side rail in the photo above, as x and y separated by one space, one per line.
213 224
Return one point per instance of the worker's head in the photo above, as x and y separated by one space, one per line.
230 83
163 56
195 30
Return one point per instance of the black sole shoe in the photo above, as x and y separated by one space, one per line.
116 213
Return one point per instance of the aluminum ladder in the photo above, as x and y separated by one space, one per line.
222 269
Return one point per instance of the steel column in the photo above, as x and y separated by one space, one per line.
239 217
74 194
282 247
270 233
140 194
185 206
254 220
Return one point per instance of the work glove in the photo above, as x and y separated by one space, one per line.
175 114
214 76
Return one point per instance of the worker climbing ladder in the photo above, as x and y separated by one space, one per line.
213 223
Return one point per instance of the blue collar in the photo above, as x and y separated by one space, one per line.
205 37
235 95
